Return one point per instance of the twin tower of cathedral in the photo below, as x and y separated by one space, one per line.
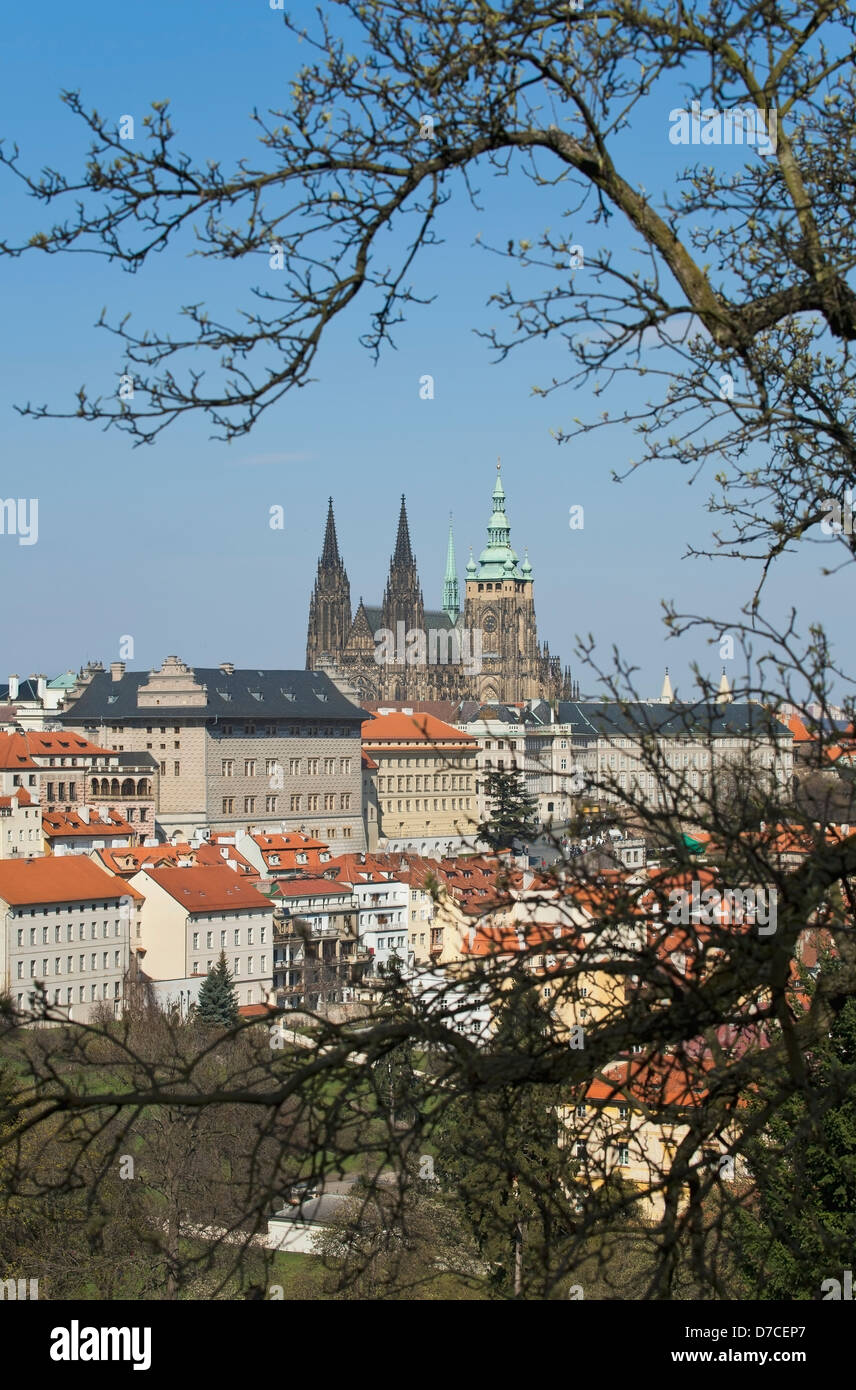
400 650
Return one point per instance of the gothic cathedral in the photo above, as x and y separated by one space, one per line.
380 652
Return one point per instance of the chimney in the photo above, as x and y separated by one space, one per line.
83 812
227 668
13 688
41 686
117 670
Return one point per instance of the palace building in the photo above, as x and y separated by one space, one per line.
487 649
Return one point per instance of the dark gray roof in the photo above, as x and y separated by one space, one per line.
434 617
609 718
27 690
540 713
471 710
279 695
136 759
321 1210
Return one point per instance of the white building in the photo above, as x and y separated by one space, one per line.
190 915
69 925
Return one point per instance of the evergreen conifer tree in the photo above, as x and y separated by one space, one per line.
511 810
218 999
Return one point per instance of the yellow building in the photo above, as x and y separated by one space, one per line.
425 783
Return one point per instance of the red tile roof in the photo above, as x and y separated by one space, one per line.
20 794
413 728
211 888
59 823
310 887
59 879
20 748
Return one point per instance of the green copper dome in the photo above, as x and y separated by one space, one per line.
498 560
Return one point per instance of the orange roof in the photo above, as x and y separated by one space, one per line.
224 854
56 823
20 748
291 839
59 879
310 887
128 859
413 728
210 888
20 794
256 1010
368 763
798 729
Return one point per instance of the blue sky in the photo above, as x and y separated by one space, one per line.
171 544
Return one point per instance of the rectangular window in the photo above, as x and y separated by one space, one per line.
222 939
228 767
270 803
176 769
249 803
237 936
312 800
237 969
294 767
228 805
329 801
312 767
249 767
209 939
623 1155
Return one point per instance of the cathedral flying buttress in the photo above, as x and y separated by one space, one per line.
399 650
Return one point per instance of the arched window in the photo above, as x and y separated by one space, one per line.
128 787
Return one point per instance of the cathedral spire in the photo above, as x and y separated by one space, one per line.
330 557
403 553
451 598
402 601
330 604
